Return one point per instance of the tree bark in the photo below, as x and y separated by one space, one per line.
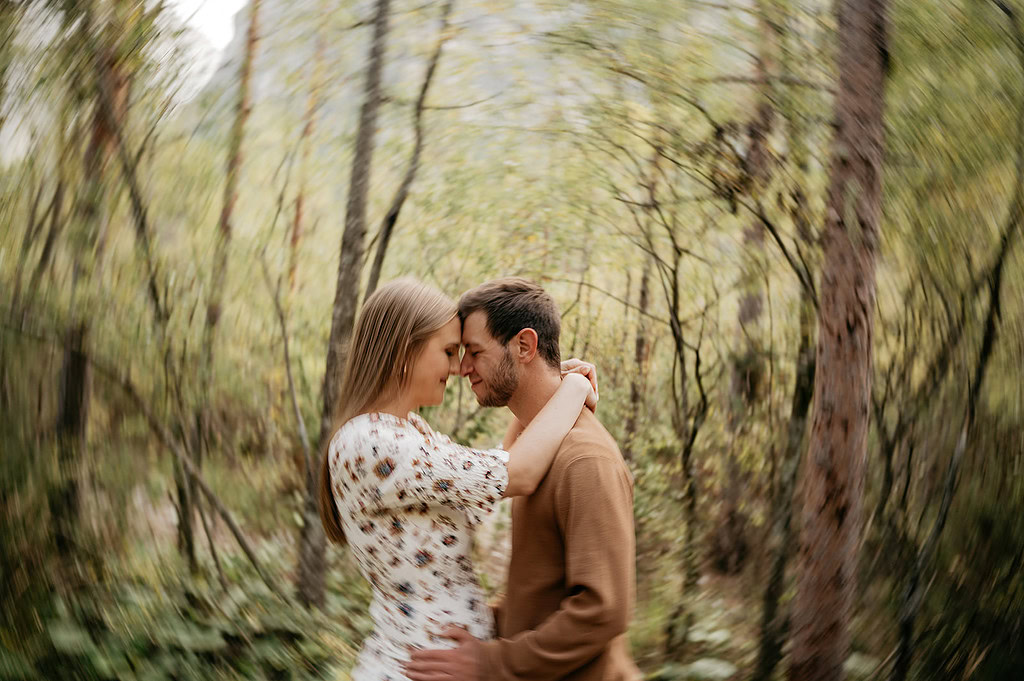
835 465
311 567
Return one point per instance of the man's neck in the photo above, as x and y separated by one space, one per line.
535 389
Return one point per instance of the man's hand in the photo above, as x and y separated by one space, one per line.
458 664
578 366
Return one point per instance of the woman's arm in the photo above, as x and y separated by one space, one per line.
515 429
534 450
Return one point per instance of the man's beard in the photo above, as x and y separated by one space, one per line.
502 385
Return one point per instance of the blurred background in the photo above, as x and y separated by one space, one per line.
192 190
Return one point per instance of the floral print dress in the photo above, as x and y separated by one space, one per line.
408 498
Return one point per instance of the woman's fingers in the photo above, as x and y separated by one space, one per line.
584 368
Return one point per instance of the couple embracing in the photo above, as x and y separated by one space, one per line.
406 498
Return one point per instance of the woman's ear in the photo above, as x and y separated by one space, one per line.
525 345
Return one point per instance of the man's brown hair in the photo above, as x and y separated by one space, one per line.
513 304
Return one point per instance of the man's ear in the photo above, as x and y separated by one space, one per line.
524 345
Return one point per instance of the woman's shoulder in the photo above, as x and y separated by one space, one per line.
372 426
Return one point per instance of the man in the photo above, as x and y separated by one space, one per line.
571 576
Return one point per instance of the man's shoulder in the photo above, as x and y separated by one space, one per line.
588 438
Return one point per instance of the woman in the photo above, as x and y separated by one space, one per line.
405 496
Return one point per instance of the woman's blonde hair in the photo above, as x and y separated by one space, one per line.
389 335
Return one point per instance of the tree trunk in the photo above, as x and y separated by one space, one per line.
32 230
71 424
623 343
687 423
312 106
636 384
217 281
834 469
387 226
311 568
90 224
54 230
774 624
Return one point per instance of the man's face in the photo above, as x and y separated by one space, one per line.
489 365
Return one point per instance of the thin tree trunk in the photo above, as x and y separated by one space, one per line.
620 365
56 225
774 624
387 226
688 426
311 567
312 106
687 423
582 294
71 439
835 465
636 384
32 229
219 274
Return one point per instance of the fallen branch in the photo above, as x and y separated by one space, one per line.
186 462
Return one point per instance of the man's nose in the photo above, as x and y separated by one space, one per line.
466 365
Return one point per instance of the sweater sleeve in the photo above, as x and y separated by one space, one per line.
595 513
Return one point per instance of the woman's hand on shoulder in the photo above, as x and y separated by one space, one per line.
583 384
588 371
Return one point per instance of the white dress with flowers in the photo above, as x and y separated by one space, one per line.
408 498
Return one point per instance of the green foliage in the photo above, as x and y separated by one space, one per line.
182 630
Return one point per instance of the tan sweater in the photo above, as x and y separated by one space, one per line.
571 581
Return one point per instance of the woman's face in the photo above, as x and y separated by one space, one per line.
438 360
